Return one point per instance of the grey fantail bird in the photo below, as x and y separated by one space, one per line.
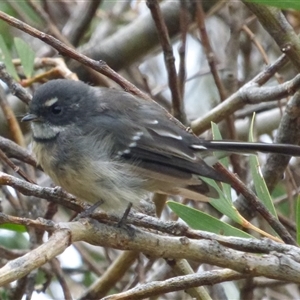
108 145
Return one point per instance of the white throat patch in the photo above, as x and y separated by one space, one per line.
45 131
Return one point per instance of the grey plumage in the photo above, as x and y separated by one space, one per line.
100 143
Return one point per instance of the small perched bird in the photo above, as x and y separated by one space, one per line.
108 145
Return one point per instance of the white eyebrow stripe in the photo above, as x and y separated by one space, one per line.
51 101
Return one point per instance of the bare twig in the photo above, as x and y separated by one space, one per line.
15 168
285 266
184 16
56 269
164 38
14 87
210 56
178 283
11 119
278 27
250 93
55 195
99 66
112 275
52 28
80 19
15 151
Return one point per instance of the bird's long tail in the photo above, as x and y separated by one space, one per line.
247 147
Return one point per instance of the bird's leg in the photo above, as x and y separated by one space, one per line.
87 212
123 219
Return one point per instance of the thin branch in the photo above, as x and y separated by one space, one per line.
15 168
11 119
99 66
164 38
80 20
13 150
178 283
210 56
52 28
56 269
55 195
272 265
15 88
183 18
111 276
250 93
275 23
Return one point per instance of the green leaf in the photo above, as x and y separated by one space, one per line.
223 204
284 4
258 180
7 59
200 221
14 227
26 55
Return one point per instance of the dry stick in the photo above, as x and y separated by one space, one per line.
80 20
271 70
200 18
262 51
15 168
164 39
88 259
56 269
241 188
275 23
177 283
15 88
12 200
210 56
55 195
114 273
13 150
11 119
272 265
250 93
183 18
253 245
258 45
99 66
51 27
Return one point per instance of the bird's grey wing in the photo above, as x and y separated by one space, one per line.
152 140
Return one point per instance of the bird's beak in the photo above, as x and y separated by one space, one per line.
30 117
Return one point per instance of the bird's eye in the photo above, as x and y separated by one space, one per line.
56 109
